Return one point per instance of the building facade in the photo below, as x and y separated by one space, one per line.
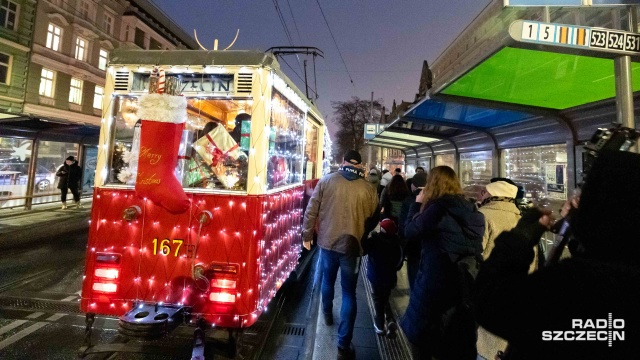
16 25
72 41
53 60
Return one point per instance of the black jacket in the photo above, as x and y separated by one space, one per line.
450 227
520 307
69 175
385 258
602 279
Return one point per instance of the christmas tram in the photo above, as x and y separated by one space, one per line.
204 163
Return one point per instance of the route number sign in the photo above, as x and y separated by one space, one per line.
581 37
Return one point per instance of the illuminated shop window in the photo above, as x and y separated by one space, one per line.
446 160
542 172
213 152
285 155
475 172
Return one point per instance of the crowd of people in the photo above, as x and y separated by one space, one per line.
480 284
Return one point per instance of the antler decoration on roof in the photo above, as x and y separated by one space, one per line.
215 41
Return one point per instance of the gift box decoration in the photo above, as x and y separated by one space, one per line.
196 172
217 145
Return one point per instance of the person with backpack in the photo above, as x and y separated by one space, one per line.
385 257
392 197
438 321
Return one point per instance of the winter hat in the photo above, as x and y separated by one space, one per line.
70 158
353 157
388 226
419 180
373 172
520 194
503 189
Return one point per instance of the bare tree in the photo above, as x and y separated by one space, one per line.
351 116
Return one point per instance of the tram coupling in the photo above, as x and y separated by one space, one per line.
151 320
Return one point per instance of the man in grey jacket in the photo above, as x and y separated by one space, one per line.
341 204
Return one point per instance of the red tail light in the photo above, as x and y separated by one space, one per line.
223 279
106 273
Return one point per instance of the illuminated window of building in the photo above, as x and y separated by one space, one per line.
81 48
54 34
75 92
5 68
8 11
98 95
47 81
103 59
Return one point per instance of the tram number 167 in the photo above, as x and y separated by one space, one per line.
168 247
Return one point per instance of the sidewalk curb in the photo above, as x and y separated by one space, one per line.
32 233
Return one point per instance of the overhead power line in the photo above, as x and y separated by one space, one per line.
335 42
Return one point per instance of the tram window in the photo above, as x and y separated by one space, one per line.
311 152
475 172
286 157
214 147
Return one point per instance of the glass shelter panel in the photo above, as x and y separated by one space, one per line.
15 155
51 156
542 173
475 172
213 152
286 156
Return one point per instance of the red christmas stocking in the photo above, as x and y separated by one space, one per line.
163 119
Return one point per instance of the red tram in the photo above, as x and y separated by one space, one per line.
221 237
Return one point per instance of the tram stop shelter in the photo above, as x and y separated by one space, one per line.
518 77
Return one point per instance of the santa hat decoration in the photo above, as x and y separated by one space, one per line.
162 118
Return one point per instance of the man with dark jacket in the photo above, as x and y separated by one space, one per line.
343 204
585 307
70 174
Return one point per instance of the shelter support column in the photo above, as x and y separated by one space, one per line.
31 175
624 92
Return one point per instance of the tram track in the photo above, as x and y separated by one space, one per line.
26 279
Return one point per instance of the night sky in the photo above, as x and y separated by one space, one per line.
383 42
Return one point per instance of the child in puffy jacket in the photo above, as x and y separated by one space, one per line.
385 257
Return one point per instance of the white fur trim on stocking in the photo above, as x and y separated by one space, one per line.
163 108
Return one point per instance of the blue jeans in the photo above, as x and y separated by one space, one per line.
349 268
